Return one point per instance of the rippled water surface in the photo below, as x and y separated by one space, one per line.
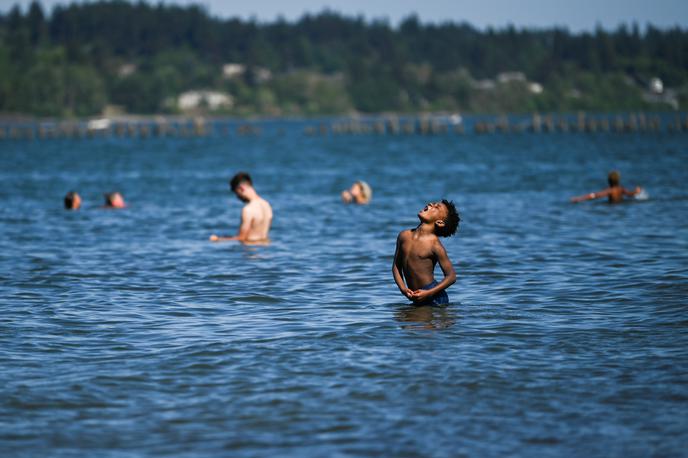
126 333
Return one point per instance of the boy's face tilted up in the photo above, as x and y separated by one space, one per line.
434 213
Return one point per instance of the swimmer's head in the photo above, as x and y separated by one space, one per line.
114 200
362 192
443 215
241 185
72 201
614 178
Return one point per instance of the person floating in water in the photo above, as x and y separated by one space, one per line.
72 201
614 193
359 193
114 200
256 216
419 250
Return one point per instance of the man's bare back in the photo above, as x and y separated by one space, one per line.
256 218
615 193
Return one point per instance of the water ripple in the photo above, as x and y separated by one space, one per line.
128 334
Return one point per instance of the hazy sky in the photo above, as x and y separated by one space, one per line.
576 15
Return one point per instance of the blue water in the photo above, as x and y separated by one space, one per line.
126 333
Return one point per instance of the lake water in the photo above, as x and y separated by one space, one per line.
126 333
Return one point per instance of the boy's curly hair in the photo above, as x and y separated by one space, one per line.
451 222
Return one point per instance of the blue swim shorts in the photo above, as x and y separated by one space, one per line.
440 298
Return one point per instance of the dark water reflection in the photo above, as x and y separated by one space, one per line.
125 333
426 317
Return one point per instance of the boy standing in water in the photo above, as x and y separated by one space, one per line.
256 215
614 193
419 250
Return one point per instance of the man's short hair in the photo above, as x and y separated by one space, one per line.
451 222
69 200
614 178
241 177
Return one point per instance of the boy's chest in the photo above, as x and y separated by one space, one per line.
415 249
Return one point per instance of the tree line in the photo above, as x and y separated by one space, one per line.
70 62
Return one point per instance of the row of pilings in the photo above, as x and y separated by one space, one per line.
582 123
140 128
161 127
634 122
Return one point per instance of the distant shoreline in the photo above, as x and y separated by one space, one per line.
25 118
120 57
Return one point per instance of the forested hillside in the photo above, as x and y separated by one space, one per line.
78 59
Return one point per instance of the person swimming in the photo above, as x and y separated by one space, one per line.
114 200
72 201
419 250
256 216
614 193
360 193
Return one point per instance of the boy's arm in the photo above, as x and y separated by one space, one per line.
246 218
397 267
591 196
448 270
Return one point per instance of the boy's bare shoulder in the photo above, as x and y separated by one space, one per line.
406 233
437 245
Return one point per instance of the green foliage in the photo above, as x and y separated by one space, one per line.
51 86
6 77
69 63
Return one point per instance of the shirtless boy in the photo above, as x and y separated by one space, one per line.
256 215
419 250
614 193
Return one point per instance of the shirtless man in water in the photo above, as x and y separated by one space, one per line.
615 193
256 215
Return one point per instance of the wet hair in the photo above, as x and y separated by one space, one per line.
69 200
241 177
451 222
614 178
366 190
108 198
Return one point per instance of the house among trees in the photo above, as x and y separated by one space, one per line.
210 100
232 70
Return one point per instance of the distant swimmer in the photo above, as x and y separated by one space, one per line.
614 193
359 193
418 252
72 201
114 200
256 216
